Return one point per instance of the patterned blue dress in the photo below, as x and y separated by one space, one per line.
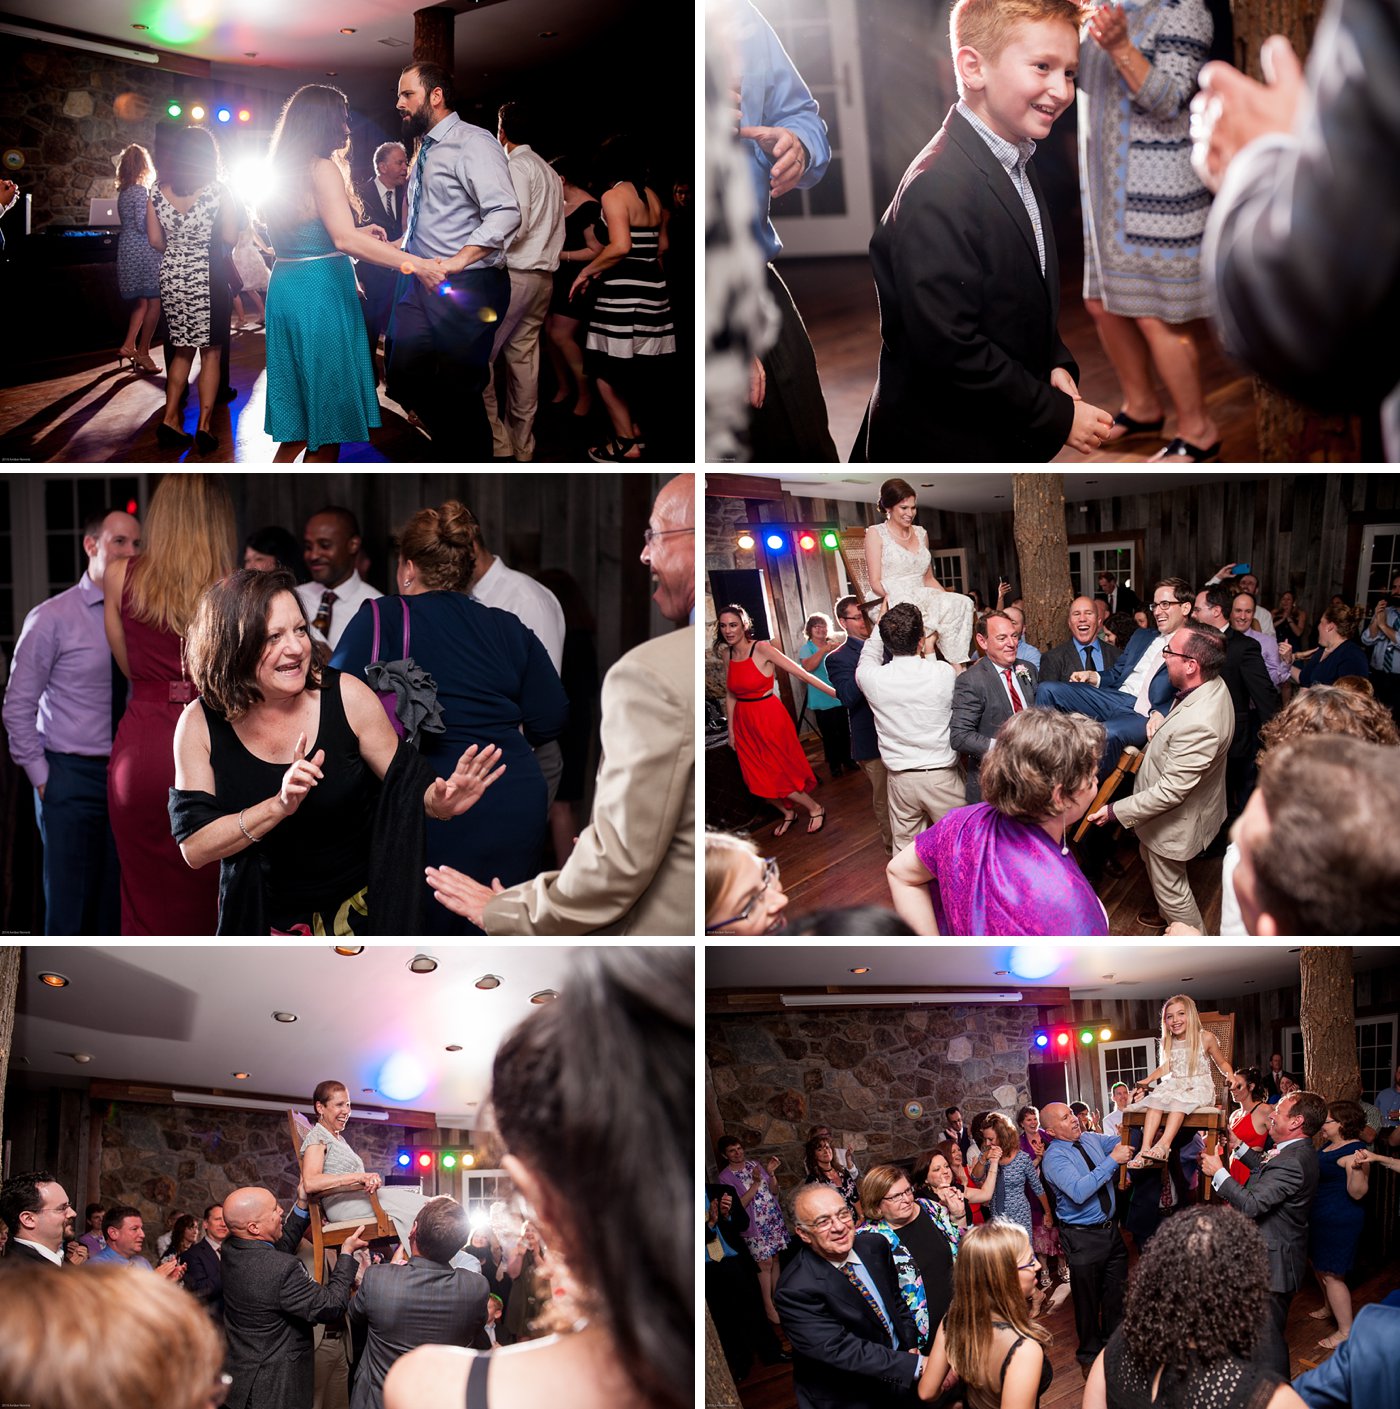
1009 1199
138 261
320 380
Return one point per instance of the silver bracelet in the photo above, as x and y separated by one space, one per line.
244 829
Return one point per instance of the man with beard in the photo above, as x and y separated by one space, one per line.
461 208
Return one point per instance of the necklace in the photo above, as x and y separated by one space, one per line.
904 539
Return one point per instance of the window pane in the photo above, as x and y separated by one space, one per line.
829 198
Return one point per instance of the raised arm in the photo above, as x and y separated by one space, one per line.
763 650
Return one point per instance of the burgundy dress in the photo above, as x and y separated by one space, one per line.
160 893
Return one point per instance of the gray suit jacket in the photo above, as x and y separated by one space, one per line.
398 1308
270 1306
980 708
1278 1197
1059 661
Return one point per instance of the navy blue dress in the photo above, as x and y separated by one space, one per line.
493 678
1347 659
1336 1219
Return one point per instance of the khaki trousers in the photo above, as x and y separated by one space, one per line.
1171 888
918 800
517 348
874 769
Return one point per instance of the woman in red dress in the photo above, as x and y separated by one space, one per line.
1251 1125
760 730
148 602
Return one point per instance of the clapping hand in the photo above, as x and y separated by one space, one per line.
462 895
1108 28
75 1253
450 797
301 777
171 1271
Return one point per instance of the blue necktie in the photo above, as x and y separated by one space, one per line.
415 194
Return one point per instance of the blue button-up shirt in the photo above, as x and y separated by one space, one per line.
1076 1184
467 197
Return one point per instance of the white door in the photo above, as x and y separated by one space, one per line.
833 217
1128 1061
1380 561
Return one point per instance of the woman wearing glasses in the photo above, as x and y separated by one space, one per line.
743 894
767 1233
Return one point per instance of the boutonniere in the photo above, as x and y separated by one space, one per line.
1023 672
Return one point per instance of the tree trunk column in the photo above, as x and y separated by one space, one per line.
1042 554
432 37
1327 1016
9 991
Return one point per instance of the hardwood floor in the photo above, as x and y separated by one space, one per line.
836 297
844 863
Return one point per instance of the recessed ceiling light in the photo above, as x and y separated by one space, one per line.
1107 975
53 980
284 1017
1190 978
545 995
1299 950
250 54
998 496
349 950
549 34
242 1075
455 1047
332 73
1000 973
347 31
863 969
140 26
366 1090
489 981
1091 481
82 1058
422 964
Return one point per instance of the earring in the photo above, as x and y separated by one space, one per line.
408 582
1064 832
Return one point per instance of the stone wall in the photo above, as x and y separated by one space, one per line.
775 1075
165 1159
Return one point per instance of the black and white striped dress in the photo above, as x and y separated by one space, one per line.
631 313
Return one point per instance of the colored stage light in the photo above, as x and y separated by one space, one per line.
425 1160
173 109
405 1159
1042 1038
449 1161
468 1159
223 115
774 541
830 540
197 113
1062 1039
244 115
807 542
1087 1036
745 542
1105 1033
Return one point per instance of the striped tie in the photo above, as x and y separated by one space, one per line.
415 190
323 615
867 1298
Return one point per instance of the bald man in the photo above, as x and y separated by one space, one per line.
633 870
1083 650
270 1304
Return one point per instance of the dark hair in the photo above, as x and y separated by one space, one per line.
1349 1117
183 1224
325 1090
20 1194
1121 625
572 170
210 1209
1311 1107
1111 576
1180 588
1253 1081
517 121
809 1153
90 1210
983 624
434 76
441 1229
951 1111
1078 1107
192 162
92 525
441 543
895 491
902 628
1221 597
1180 1311
722 1144
586 1092
352 524
117 1215
850 920
745 620
277 543
1343 618
842 604
1023 1113
620 159
1206 645
226 641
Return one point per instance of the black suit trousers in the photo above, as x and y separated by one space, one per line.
736 1306
1098 1279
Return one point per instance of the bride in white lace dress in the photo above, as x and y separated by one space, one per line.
900 568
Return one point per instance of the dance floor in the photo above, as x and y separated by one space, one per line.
837 299
770 1386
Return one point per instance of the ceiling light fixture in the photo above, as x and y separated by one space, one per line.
284 1017
545 995
348 951
549 34
242 1075
455 1047
53 980
488 981
863 969
865 1000
347 31
82 1058
71 41
422 964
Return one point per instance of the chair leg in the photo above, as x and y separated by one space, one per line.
1110 786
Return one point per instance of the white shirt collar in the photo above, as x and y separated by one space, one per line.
55 1257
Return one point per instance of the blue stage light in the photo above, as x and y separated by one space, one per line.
224 115
775 541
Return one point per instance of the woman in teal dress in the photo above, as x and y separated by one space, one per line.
320 379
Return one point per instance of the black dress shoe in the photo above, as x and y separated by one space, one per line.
172 439
205 443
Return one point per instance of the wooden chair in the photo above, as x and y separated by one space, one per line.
1128 762
1214 1120
331 1235
852 552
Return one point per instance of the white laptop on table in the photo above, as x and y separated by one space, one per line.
103 211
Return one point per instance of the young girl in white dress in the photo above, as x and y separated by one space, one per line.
1187 1051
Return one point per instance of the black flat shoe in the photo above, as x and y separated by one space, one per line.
205 443
1179 449
1133 428
170 438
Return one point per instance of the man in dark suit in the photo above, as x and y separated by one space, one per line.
35 1208
1136 689
988 693
426 1302
1278 1198
731 1285
971 362
854 1340
1364 1369
271 1305
1254 695
865 742
382 196
204 1271
1083 650
1118 598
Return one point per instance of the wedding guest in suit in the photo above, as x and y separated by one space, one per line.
1364 1369
1117 597
41 1221
1178 798
865 744
382 197
971 362
1002 867
987 694
1279 1198
1083 650
841 1307
428 1302
204 1271
271 1305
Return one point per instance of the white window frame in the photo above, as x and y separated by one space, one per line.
1148 1043
951 555
1295 1033
1363 565
1089 588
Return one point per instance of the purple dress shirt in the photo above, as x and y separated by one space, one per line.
1278 671
60 692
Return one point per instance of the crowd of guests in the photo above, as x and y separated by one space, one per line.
298 753
959 1256
577 1088
1177 204
988 759
466 254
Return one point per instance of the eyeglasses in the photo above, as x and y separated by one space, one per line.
904 1195
770 874
830 1220
652 534
1170 602
1180 655
1030 1266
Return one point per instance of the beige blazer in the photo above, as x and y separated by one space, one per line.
1178 800
633 870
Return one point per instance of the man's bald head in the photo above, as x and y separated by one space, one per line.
1083 620
1060 1121
670 548
252 1212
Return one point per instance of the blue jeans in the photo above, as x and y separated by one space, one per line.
1112 708
82 893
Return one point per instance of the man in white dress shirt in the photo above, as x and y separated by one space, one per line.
912 699
532 256
330 545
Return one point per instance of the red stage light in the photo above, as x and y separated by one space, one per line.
425 1160
131 507
244 115
806 542
1063 1039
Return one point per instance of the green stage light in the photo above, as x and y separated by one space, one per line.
1086 1037
173 109
830 540
449 1161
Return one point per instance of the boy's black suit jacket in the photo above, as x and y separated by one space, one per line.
968 322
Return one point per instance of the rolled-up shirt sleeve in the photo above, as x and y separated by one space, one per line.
35 653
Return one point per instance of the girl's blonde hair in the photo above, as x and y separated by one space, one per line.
721 849
1193 1027
986 1288
191 543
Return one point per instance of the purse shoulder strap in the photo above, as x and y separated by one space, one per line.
374 611
403 602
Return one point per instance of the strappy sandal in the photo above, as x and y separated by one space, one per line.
1133 428
816 821
785 825
1179 449
615 451
1150 1156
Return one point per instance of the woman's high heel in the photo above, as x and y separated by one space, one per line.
170 438
125 355
205 443
146 362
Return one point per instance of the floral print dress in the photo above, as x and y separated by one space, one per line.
911 1283
767 1233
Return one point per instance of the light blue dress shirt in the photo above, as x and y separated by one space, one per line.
863 1272
467 197
1076 1185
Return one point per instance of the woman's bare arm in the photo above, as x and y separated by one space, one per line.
112 582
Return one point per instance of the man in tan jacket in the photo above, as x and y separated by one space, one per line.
1178 799
633 870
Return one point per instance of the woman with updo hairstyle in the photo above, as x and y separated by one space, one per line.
1336 654
474 675
1002 866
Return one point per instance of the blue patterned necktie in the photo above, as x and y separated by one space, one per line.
866 1297
415 193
